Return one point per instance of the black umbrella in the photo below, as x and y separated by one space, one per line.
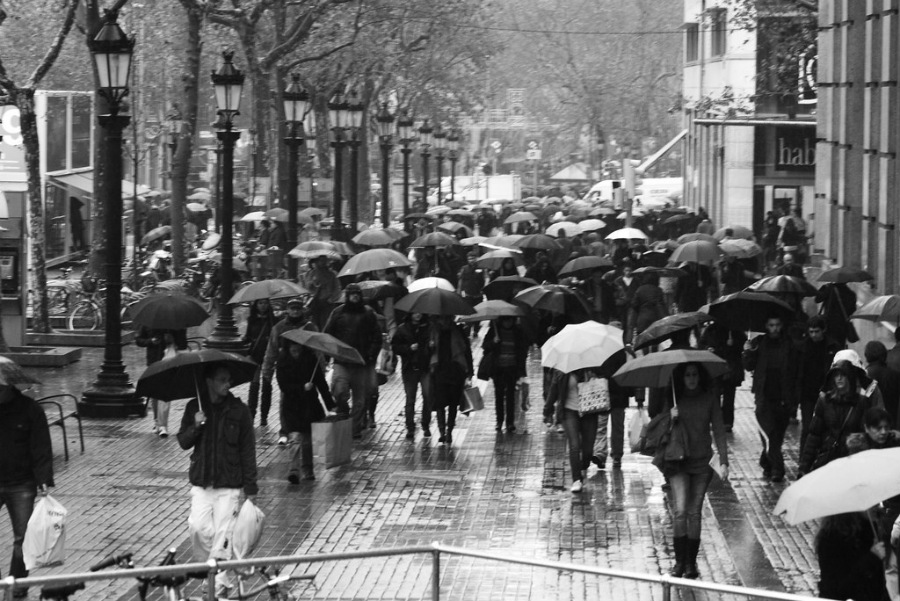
585 265
506 287
844 275
748 310
181 376
538 242
325 344
783 284
556 298
168 312
434 301
663 329
434 239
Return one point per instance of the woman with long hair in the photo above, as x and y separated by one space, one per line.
450 368
259 327
850 559
581 430
507 348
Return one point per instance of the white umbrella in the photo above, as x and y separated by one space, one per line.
569 227
627 233
431 282
254 216
591 225
578 346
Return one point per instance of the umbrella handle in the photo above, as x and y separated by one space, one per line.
319 396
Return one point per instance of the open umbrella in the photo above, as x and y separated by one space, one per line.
663 329
848 484
496 242
342 248
270 289
314 248
375 259
374 237
679 218
590 225
195 207
506 287
696 252
880 308
655 258
156 233
12 374
737 231
740 248
455 227
254 216
495 258
199 196
312 212
277 214
655 370
166 311
748 310
556 299
627 233
438 210
696 237
578 346
585 265
844 275
571 229
537 242
434 301
211 241
434 239
663 272
379 289
472 240
602 212
520 216
430 282
783 284
494 309
181 376
325 344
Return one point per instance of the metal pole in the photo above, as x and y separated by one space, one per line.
425 156
337 226
436 575
453 160
354 184
294 143
406 151
535 177
385 183
439 166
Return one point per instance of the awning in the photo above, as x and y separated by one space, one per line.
84 181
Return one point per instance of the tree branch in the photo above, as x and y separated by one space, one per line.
56 46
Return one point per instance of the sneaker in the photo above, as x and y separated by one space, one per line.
294 479
282 441
600 463
163 433
577 486
449 438
560 429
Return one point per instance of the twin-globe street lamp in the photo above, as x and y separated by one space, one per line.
345 116
385 121
440 145
405 135
112 394
426 140
296 105
453 155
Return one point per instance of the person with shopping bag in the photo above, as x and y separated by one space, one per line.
450 368
26 466
256 337
507 348
410 343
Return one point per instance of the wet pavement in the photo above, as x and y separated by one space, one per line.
502 492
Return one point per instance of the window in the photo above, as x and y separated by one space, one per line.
718 27
691 42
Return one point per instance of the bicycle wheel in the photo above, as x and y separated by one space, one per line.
85 316
125 317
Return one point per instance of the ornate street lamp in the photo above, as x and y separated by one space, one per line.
385 122
405 135
440 145
173 129
337 116
355 110
112 394
425 142
228 82
453 155
296 103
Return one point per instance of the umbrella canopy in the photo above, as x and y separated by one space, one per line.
166 311
506 287
663 272
494 259
844 275
199 196
195 207
696 252
434 239
472 240
434 301
181 376
748 310
156 233
655 370
556 299
679 218
602 212
277 214
379 289
312 212
578 346
211 241
325 344
431 282
783 284
848 484
342 248
494 309
438 210
880 308
520 216
537 241
254 216
663 329
655 258
696 237
501 241
314 248
12 374
571 229
269 289
740 248
455 227
374 237
737 231
627 233
590 225
585 265
375 259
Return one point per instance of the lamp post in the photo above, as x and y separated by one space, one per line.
337 116
112 394
405 135
355 110
440 145
453 155
228 82
425 142
385 121
173 129
296 103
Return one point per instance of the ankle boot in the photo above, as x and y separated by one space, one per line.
680 544
690 567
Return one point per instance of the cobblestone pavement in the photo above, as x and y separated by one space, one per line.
507 493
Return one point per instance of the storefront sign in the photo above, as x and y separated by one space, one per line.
795 149
12 155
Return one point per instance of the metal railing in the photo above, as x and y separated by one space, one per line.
212 567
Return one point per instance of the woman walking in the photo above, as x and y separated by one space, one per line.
696 412
450 366
581 430
259 327
506 349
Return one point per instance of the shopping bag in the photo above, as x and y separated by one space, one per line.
593 396
471 400
248 528
523 403
45 535
386 363
332 440
635 427
655 434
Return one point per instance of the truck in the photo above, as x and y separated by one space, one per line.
481 187
655 191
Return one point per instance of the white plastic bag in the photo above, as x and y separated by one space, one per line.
248 529
45 536
635 427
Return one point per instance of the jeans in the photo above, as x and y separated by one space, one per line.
19 502
688 491
611 435
773 418
728 393
581 431
601 441
412 380
301 453
266 401
505 394
358 379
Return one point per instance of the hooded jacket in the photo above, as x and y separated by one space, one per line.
26 454
357 325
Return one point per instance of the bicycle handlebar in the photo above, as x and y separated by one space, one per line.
110 561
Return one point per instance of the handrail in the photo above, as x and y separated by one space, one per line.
435 549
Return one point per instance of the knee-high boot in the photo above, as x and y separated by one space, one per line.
680 544
690 567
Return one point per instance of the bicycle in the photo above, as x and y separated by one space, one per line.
89 313
62 592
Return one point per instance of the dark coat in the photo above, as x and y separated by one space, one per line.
849 570
26 454
889 384
407 335
814 361
256 337
301 407
757 358
358 327
647 306
493 348
156 347
838 303
834 419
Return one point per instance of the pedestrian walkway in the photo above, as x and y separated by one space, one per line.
506 492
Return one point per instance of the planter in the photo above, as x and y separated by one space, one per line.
43 356
77 338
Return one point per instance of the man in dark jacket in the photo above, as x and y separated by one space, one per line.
356 324
26 466
815 355
773 360
223 462
838 304
888 380
410 343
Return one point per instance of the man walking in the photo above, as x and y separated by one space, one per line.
814 360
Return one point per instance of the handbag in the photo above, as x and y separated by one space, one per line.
655 434
593 396
471 400
635 427
332 440
486 367
386 363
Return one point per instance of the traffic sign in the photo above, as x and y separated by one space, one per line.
496 145
533 154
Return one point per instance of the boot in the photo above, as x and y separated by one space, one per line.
690 567
680 544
